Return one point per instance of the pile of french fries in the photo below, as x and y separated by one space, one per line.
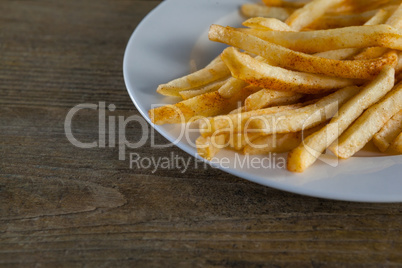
299 77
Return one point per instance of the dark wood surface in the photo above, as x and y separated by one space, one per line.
65 206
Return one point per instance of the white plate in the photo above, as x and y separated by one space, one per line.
172 41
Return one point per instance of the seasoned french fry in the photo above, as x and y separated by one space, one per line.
231 87
372 17
268 97
384 138
282 3
256 10
264 75
312 146
239 140
303 118
202 77
267 24
208 147
339 38
235 122
214 86
286 58
368 124
310 12
208 104
277 143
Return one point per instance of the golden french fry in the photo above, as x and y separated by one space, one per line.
267 24
310 12
257 73
339 38
312 146
231 87
260 10
268 97
358 6
396 145
214 86
204 105
286 58
368 124
384 138
282 3
302 118
240 109
341 54
274 143
372 17
208 147
277 143
211 73
239 140
235 122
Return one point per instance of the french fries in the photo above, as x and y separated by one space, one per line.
286 58
368 124
204 105
324 40
298 78
262 74
312 147
304 16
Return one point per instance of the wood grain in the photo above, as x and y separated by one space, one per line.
62 206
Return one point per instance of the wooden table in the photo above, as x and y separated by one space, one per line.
67 206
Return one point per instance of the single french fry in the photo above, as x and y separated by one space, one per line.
208 147
396 145
204 105
231 87
302 118
274 143
310 12
277 143
339 38
211 73
235 122
260 10
267 24
282 3
286 58
384 138
368 124
257 73
372 17
358 6
268 97
341 54
240 109
300 158
214 86
239 140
